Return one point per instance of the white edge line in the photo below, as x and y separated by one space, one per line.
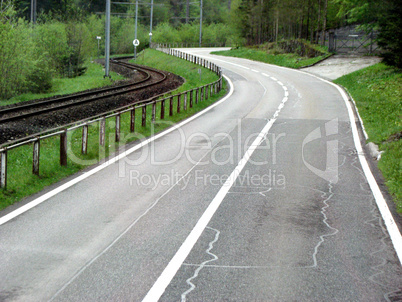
386 214
111 161
358 115
175 263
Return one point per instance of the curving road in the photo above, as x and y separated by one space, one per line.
261 198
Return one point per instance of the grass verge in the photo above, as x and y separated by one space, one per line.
286 60
21 183
377 91
93 78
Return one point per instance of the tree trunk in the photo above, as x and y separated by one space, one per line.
187 11
308 20
301 25
318 21
277 25
324 25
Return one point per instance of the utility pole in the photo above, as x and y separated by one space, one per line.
135 34
107 39
200 23
33 11
150 27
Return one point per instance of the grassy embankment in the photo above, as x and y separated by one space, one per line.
377 91
304 54
61 86
22 183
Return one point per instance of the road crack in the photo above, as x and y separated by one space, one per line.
202 265
329 195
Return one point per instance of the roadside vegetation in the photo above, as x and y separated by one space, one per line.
93 78
62 42
22 183
377 91
291 53
59 39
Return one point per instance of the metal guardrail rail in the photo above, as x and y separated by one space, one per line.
185 100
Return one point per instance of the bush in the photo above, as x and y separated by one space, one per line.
164 33
40 79
50 40
15 58
78 49
212 34
122 40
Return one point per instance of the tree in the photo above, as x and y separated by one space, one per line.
390 36
384 15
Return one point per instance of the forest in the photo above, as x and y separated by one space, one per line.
40 40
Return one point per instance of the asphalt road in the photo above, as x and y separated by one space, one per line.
262 198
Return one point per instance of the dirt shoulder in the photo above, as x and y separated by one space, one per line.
339 65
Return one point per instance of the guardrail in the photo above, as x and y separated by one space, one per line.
190 45
184 101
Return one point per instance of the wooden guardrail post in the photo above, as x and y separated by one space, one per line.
63 148
144 115
206 92
84 146
132 120
171 106
191 98
163 109
36 156
102 131
153 111
118 124
3 169
185 101
178 103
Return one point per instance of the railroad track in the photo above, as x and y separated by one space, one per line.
151 77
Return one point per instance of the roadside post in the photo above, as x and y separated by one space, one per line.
136 43
98 38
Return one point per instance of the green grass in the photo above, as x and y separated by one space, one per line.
286 60
93 78
187 70
377 91
22 183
